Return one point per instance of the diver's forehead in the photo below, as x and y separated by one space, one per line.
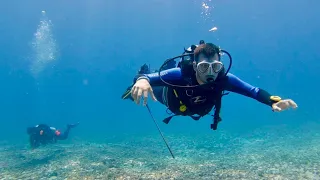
203 57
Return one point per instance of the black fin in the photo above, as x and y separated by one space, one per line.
127 94
216 121
73 125
144 69
167 120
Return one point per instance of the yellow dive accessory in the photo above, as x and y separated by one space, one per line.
275 98
182 107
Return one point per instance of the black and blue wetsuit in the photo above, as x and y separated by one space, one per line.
198 100
49 134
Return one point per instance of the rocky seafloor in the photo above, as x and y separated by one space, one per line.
264 154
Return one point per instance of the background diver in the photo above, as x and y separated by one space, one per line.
43 134
196 85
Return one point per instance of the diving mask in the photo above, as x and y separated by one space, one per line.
208 71
206 67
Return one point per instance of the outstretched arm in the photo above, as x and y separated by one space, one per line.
173 75
236 85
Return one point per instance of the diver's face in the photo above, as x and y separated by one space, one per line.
207 68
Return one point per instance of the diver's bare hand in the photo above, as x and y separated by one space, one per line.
142 87
283 105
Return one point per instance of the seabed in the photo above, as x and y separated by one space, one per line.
265 154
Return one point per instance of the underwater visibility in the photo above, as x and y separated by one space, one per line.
180 90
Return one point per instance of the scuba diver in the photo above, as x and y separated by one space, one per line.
195 84
43 134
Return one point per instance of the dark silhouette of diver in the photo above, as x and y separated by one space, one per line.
43 134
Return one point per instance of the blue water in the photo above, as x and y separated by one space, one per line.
101 45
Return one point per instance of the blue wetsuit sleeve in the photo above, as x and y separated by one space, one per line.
173 76
236 85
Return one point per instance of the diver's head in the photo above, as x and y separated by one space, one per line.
207 63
